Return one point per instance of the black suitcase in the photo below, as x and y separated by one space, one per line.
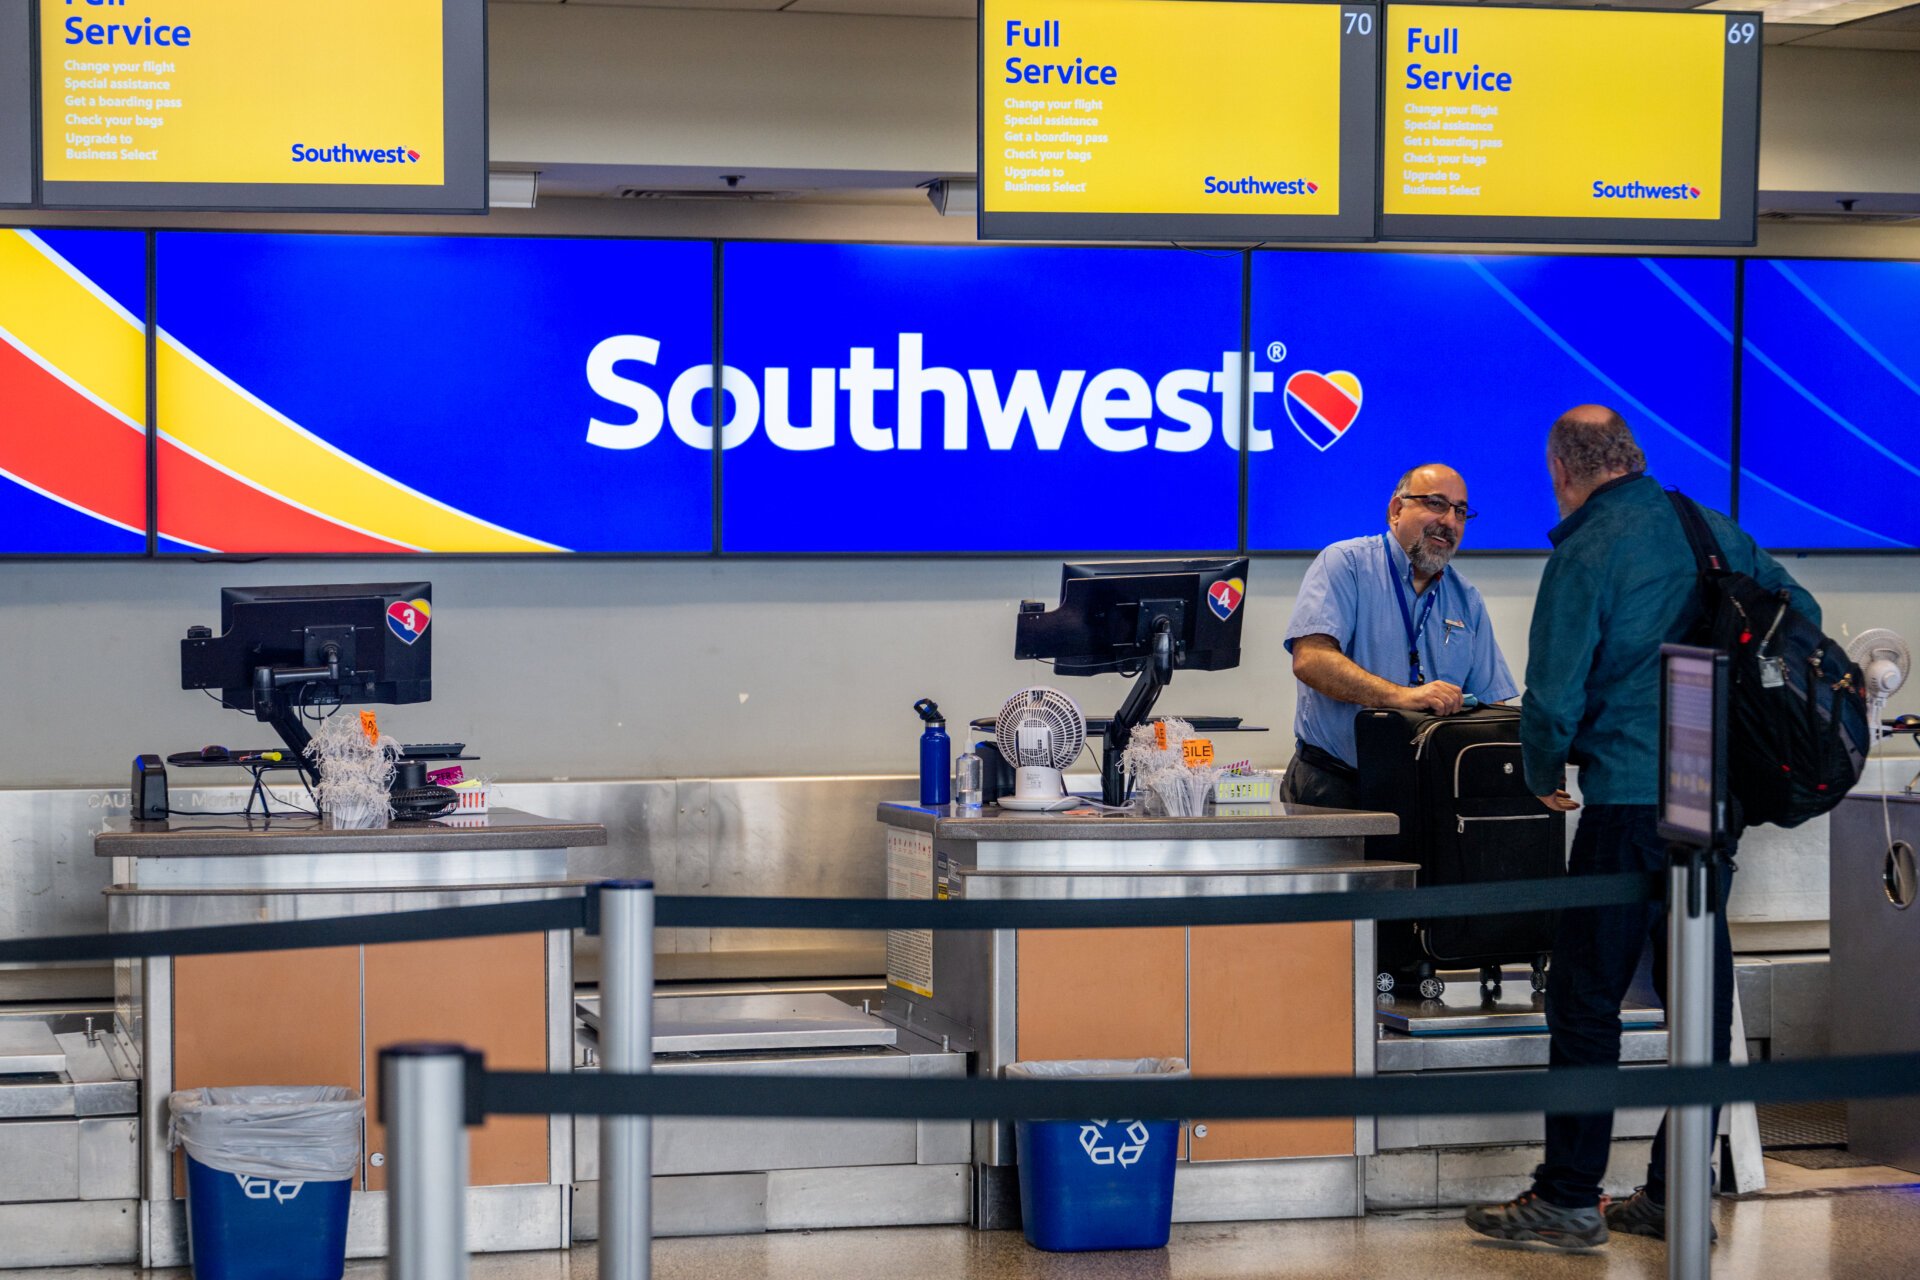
1466 816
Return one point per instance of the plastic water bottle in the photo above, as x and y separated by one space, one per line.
969 781
936 754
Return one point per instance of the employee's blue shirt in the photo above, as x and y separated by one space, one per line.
1348 594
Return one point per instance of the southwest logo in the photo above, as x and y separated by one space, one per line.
408 619
1224 597
1644 191
345 153
1252 185
1322 406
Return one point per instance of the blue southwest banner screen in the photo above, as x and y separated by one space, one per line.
902 399
366 394
73 393
1830 404
1368 364
386 393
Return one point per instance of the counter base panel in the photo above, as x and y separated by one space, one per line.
796 1200
499 1220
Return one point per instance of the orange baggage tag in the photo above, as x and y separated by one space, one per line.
370 725
1199 751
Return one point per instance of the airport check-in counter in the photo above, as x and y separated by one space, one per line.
320 1015
1235 1000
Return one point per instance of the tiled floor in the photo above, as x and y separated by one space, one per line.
1799 1230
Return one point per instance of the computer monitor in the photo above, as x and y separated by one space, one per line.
284 651
1144 618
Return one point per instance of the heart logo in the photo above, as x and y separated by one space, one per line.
408 619
1323 405
413 155
1225 596
1696 192
1312 189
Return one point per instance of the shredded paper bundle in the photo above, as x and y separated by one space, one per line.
356 773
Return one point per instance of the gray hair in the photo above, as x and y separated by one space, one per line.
1590 447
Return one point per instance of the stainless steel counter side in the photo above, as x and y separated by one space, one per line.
1279 821
225 837
1200 993
241 1019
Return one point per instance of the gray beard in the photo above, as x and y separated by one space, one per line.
1428 563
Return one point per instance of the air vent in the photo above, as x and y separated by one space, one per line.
1837 219
703 193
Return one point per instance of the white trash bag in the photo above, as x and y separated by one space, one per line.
286 1133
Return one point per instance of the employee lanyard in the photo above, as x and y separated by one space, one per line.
1413 627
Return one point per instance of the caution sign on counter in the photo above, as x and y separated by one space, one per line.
1177 119
1569 124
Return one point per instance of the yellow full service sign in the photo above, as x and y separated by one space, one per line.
1160 107
1557 113
239 91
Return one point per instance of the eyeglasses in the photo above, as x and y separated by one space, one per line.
1439 505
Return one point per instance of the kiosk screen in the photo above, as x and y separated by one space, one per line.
1693 744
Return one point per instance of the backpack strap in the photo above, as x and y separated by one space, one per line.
1706 548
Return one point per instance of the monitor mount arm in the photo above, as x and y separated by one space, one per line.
284 713
1154 676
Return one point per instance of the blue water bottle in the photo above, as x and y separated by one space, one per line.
936 752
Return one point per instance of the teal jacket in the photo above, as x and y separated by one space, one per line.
1620 583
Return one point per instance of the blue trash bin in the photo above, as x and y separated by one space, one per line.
1097 1184
269 1179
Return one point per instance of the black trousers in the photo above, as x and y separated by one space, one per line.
1314 777
1595 953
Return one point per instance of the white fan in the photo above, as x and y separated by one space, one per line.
1885 660
1040 731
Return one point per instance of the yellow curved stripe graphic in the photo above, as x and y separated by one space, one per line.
72 329
212 416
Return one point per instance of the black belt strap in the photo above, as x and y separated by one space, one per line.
1325 761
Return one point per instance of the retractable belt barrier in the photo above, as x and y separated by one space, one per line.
1498 897
1560 1091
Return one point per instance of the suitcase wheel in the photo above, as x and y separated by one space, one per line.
1490 983
1384 983
1431 988
1540 974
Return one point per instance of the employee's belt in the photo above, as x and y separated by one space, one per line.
1325 761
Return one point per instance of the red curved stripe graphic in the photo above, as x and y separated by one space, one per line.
209 508
58 440
55 438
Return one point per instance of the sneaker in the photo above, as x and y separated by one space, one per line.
1641 1215
1531 1218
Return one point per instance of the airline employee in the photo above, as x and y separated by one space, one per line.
1386 621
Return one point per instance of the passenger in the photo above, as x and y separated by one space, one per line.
1620 582
1385 621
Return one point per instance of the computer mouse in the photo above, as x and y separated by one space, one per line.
213 753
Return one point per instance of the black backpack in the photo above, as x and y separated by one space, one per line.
1797 732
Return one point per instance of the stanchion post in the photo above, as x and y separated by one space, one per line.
423 1103
626 1046
1693 890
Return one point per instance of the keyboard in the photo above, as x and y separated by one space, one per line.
432 750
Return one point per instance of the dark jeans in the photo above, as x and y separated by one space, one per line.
1595 953
1315 777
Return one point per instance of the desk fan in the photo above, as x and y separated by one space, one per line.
1885 660
1040 731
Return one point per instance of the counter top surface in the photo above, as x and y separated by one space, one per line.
1278 821
237 837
